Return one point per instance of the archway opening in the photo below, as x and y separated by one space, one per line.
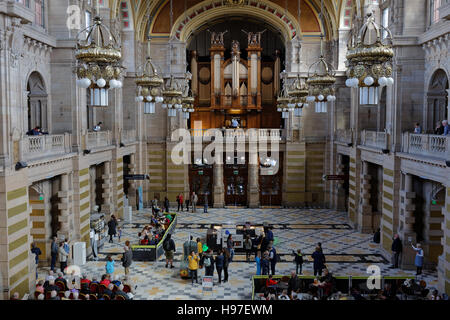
37 103
437 100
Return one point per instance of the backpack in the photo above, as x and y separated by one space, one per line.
166 245
207 262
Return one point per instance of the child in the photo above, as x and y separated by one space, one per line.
109 265
119 232
298 261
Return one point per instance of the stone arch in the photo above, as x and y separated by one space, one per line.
37 101
437 98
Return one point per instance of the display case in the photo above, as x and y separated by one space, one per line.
99 226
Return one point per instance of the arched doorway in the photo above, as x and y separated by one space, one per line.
37 102
437 100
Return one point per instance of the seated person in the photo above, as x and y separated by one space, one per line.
94 280
62 279
84 279
284 295
121 293
270 282
66 295
15 296
109 291
51 286
54 295
85 288
356 294
116 281
106 280
40 286
152 241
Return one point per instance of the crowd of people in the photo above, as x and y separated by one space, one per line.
153 233
58 286
442 128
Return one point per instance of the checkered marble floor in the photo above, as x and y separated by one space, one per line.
347 251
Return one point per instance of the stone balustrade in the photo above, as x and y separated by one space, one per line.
374 139
343 136
98 139
228 133
36 147
427 145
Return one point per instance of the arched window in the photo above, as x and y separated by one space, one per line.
37 103
437 97
39 13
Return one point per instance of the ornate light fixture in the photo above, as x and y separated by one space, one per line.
369 61
285 103
188 105
98 56
172 97
298 92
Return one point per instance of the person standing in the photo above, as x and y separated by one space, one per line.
37 252
109 265
226 263
446 128
193 266
194 202
53 253
166 204
169 249
187 204
258 263
419 258
230 247
396 251
127 257
417 128
199 248
219 261
298 261
265 264
319 260
98 127
208 263
272 258
112 224
180 202
439 130
248 247
62 257
205 204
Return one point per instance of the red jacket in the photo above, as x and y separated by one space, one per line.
270 283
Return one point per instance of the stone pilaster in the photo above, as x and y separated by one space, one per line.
132 186
340 197
65 217
253 183
444 258
407 222
219 189
365 209
107 186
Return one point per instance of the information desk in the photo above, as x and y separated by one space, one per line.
342 284
153 252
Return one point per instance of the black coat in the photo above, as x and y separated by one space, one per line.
396 245
319 259
112 224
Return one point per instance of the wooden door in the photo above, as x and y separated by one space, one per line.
201 182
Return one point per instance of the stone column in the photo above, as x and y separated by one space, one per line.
407 222
65 217
253 181
107 186
448 104
365 209
218 190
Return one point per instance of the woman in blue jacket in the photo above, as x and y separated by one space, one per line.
258 263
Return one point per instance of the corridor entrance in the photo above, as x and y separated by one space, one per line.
235 180
201 182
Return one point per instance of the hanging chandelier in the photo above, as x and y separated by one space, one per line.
285 103
321 78
98 62
369 61
172 97
298 92
188 105
149 85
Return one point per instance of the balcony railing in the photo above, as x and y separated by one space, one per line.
374 139
128 136
98 139
268 133
35 147
343 136
426 145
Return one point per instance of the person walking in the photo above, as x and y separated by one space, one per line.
37 252
169 249
396 248
419 258
166 204
112 224
298 261
127 257
219 261
193 266
62 257
109 265
319 261
53 253
272 258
